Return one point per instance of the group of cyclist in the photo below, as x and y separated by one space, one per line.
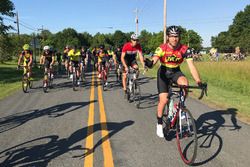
170 55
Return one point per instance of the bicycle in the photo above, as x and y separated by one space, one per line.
104 75
47 79
119 73
26 81
133 88
83 78
75 74
179 119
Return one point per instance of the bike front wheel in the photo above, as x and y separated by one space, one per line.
25 84
137 94
186 136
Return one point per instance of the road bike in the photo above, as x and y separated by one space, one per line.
83 70
133 92
178 118
119 73
75 79
26 81
47 79
104 74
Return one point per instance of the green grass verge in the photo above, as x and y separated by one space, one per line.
228 84
10 78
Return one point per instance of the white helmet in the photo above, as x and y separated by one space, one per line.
46 47
134 37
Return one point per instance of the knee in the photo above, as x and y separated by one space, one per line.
163 101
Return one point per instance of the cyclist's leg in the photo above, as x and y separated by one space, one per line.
134 65
124 78
163 88
181 79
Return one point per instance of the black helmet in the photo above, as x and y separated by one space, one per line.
101 47
173 30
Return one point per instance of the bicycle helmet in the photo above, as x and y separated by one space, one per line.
26 47
173 30
101 47
134 37
46 48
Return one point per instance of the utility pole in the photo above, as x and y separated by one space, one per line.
17 23
165 21
136 21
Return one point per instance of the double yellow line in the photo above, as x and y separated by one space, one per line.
89 145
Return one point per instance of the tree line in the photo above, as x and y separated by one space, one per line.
237 35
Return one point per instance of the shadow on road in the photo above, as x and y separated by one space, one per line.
40 151
209 139
15 120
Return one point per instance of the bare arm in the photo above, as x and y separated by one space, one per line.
193 71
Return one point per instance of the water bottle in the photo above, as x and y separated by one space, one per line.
170 109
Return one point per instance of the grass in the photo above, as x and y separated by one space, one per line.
10 78
228 84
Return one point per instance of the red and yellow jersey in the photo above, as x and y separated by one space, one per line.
172 58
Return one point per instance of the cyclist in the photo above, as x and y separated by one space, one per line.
171 55
102 60
66 57
128 57
74 56
117 56
26 56
94 58
83 58
48 59
110 56
59 60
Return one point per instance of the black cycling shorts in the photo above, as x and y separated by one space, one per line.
130 62
47 63
165 76
75 63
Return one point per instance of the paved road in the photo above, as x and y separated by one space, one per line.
89 127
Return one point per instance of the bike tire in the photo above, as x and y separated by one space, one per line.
103 80
186 136
74 84
45 88
137 94
30 84
25 84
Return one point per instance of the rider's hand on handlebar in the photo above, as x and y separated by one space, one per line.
148 63
18 67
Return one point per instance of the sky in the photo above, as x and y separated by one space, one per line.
206 17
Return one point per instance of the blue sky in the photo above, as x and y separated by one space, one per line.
206 17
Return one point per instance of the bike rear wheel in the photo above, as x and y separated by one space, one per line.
186 136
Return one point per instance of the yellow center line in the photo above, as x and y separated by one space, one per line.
88 161
107 152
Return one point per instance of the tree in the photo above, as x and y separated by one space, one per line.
238 33
6 8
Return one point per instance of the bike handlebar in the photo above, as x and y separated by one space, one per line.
202 86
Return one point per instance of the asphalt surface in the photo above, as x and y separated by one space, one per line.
89 127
